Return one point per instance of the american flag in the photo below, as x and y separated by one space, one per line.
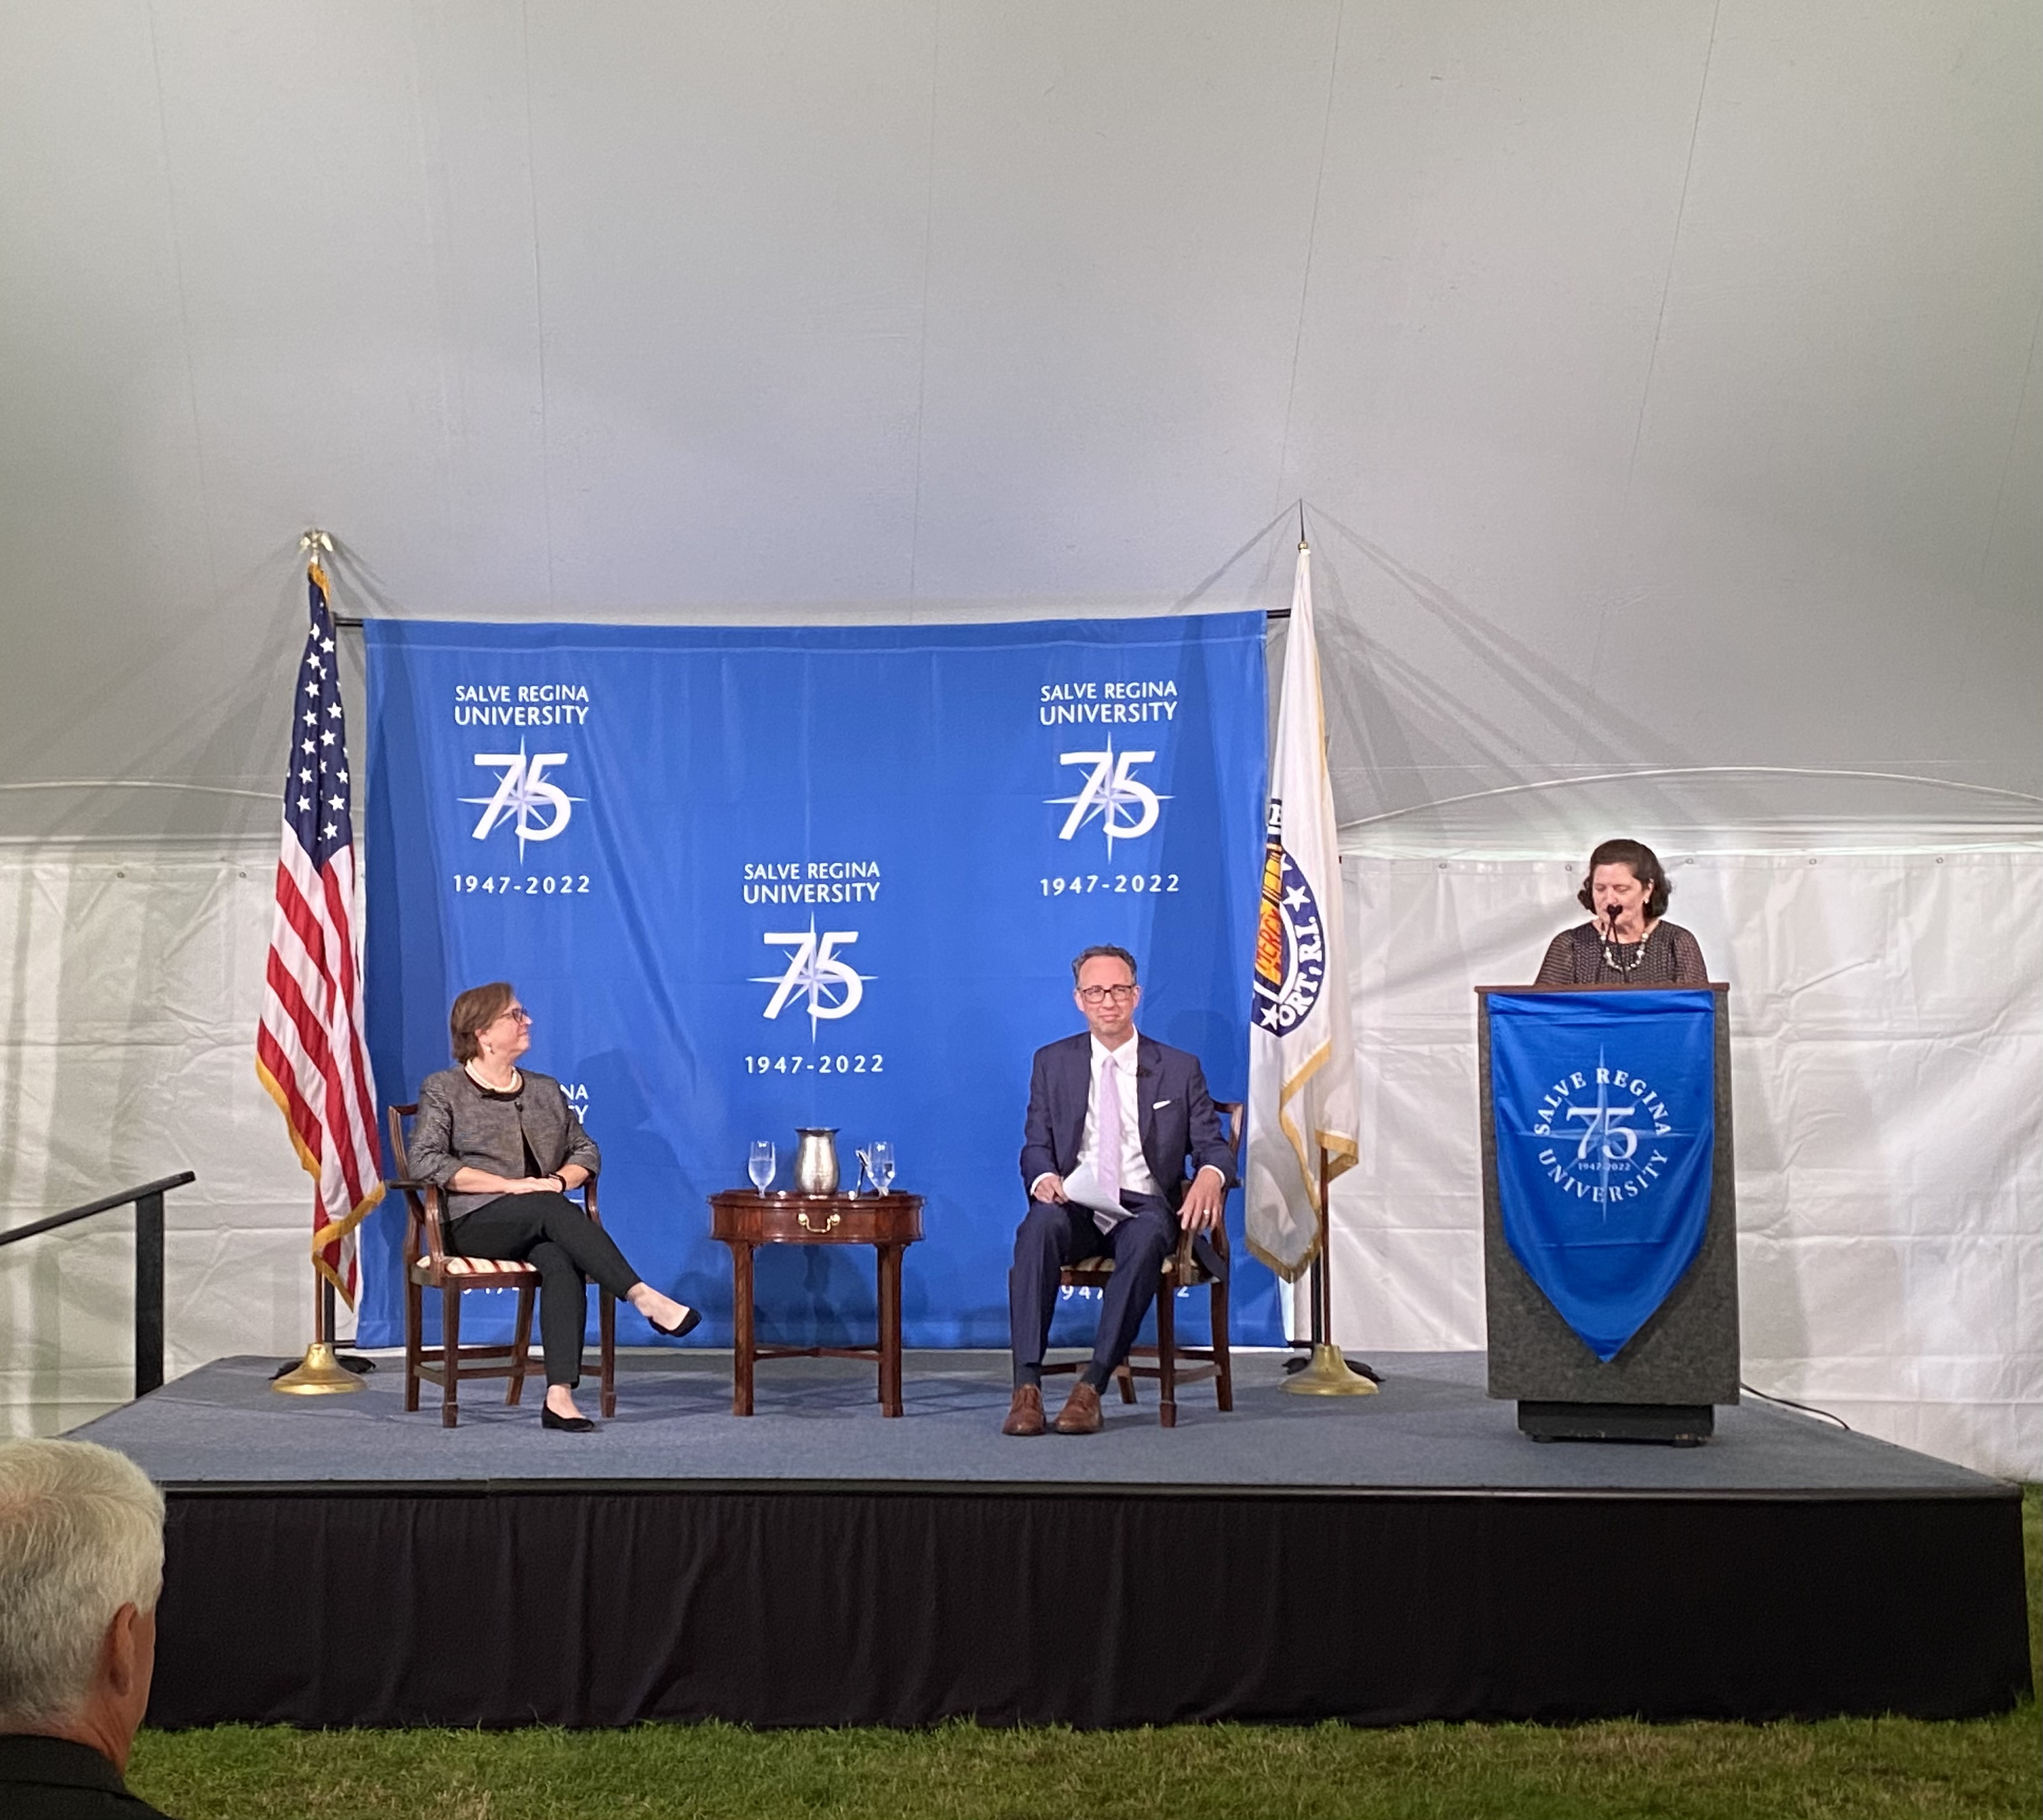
308 1048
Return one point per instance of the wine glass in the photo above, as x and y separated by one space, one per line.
760 1167
883 1165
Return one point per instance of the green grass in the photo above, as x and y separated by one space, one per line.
1860 1768
1854 1770
2032 1555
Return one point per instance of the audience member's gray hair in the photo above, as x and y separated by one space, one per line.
81 1535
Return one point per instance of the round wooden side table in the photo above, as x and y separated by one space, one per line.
743 1219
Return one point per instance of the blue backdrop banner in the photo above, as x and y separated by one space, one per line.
1604 1106
751 879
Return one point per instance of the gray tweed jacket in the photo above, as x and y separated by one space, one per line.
463 1125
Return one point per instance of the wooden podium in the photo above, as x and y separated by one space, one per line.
1665 1384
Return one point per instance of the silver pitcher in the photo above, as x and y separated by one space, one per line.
815 1159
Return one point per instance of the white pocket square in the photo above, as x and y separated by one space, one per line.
1159 1106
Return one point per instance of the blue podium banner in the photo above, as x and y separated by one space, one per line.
748 881
1605 1110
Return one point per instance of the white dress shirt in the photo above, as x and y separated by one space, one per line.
1120 1065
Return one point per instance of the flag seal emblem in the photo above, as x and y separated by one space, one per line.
1291 945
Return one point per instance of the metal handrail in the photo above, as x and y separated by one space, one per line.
148 1204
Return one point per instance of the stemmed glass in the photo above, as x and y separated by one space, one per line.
883 1165
760 1167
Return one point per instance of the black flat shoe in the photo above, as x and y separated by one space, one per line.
691 1320
567 1424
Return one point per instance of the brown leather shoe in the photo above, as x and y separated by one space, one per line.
1080 1414
1024 1414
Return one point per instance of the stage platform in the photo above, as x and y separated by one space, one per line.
1407 1556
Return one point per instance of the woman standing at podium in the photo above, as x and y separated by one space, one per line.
1626 943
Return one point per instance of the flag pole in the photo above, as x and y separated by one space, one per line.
320 1373
1302 1059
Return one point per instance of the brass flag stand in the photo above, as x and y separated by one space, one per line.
1327 1373
320 1373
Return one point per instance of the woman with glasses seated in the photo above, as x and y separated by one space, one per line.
505 1147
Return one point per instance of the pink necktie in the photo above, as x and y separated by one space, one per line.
1107 1120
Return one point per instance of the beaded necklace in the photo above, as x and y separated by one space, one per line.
1631 966
517 1083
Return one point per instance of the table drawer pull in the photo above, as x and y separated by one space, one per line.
830 1225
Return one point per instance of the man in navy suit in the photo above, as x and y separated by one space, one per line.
1129 1116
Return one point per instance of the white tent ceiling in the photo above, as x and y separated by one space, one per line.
1658 378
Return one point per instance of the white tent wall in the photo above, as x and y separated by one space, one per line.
1886 1020
132 983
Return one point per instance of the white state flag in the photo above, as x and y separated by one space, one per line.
1302 1095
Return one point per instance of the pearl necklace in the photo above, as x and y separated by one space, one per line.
517 1080
1631 966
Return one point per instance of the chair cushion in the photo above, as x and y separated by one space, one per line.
498 1268
1181 1272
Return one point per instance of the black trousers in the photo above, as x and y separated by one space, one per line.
567 1248
1052 1234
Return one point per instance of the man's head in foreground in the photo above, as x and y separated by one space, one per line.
81 1564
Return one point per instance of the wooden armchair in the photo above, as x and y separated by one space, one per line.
428 1264
1181 1271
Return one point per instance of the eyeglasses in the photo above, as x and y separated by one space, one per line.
1099 995
517 1011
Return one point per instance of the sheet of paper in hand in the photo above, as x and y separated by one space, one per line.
1082 1186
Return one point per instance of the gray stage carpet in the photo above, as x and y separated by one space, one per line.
1431 1428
